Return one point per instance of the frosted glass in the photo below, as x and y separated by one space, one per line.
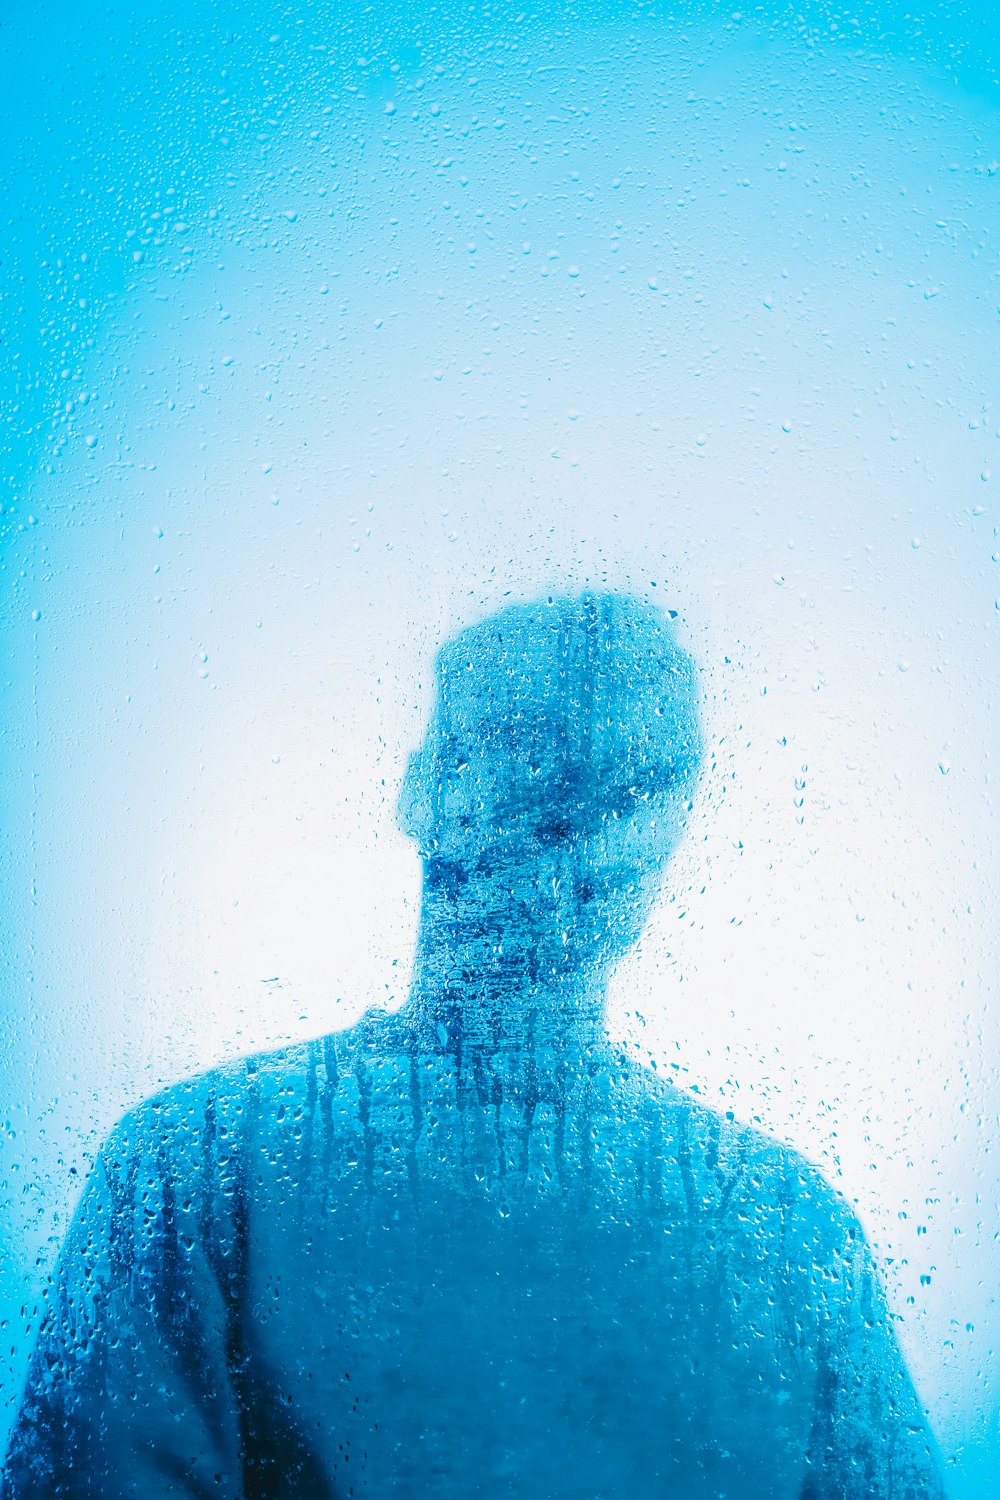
330 334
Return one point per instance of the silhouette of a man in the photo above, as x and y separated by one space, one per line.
474 1248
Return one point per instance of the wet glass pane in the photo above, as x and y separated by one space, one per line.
499 637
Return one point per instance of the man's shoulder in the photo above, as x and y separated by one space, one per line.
737 1169
262 1091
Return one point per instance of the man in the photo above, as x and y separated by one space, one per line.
475 1248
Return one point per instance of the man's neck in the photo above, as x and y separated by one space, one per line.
473 991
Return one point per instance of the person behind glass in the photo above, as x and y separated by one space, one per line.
477 1247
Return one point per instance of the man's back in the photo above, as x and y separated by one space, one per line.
385 1264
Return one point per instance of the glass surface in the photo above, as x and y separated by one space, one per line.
500 617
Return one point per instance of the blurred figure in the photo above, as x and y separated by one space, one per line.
475 1248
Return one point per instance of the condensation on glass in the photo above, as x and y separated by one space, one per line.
502 591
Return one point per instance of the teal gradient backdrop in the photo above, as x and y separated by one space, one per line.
328 329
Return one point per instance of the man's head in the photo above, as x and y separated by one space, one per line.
559 759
